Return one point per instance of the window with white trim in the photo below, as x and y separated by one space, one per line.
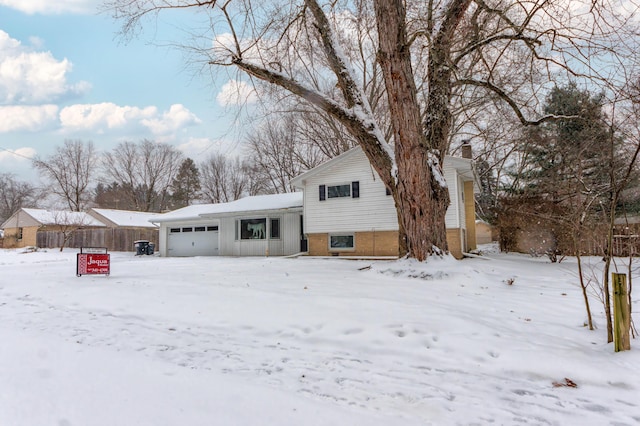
346 190
339 191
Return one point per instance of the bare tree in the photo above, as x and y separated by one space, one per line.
14 195
298 45
225 179
71 170
144 172
280 150
67 223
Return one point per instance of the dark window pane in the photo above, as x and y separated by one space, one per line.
275 229
212 228
174 230
339 191
187 229
341 241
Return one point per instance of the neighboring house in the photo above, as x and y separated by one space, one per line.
115 230
22 228
349 212
261 225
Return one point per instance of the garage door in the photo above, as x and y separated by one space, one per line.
200 240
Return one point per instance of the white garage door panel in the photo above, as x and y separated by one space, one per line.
201 240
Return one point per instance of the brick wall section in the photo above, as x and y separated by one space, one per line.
28 237
454 240
379 243
470 216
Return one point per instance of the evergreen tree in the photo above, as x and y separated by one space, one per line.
564 173
566 158
186 185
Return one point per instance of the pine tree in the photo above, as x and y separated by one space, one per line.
186 185
567 157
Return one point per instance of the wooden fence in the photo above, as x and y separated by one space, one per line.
114 239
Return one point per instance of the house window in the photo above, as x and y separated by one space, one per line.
274 233
341 242
339 191
174 230
212 228
20 234
187 229
253 229
200 228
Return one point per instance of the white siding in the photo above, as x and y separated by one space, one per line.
288 243
373 210
452 217
461 196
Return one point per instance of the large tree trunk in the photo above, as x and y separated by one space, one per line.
422 197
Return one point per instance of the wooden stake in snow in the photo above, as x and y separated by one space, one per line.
621 320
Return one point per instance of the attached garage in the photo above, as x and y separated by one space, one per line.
261 225
190 240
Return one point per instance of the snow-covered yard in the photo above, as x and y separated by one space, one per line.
273 341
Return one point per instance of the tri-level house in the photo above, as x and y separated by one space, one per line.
348 211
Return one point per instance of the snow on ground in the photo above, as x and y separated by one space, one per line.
274 341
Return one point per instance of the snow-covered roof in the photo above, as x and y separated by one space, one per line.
127 218
248 204
61 217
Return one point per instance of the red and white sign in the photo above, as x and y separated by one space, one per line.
93 264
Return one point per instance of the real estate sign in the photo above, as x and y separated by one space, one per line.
93 261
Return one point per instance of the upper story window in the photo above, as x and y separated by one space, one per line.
346 190
339 191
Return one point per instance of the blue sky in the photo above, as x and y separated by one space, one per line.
65 74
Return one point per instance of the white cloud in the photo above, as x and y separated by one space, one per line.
102 116
235 92
28 77
20 154
108 116
51 6
27 118
176 118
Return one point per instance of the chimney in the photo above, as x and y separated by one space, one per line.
467 152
